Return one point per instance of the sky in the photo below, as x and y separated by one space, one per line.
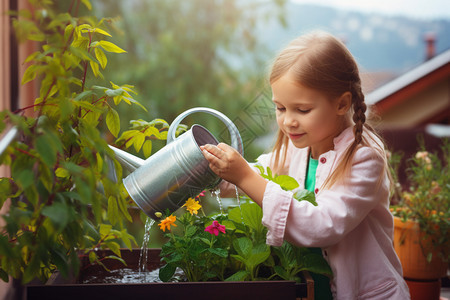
418 9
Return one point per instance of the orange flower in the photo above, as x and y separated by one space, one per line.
167 222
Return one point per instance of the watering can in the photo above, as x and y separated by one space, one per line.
179 170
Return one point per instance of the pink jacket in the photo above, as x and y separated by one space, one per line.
352 223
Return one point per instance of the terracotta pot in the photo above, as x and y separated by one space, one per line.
424 290
412 250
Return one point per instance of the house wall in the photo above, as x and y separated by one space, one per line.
11 92
417 109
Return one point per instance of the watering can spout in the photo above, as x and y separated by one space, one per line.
127 160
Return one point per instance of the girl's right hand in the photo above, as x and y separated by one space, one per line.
229 164
226 162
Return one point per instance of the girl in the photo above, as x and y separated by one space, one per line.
324 143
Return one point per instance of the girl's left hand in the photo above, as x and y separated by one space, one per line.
226 162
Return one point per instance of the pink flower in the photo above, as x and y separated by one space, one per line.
215 227
202 194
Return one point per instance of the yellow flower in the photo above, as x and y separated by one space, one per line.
167 222
192 206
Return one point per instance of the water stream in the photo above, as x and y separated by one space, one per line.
216 193
239 203
143 257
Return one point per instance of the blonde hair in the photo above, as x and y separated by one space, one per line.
320 61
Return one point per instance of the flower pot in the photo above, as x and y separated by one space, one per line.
412 249
424 290
59 288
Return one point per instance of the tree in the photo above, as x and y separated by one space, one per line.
185 54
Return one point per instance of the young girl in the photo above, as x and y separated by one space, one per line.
324 143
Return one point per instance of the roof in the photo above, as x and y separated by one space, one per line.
408 78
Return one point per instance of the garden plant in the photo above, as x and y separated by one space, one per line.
63 200
232 246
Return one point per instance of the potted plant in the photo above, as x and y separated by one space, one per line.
63 200
422 216
231 247
222 251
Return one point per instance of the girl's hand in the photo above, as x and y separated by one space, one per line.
226 162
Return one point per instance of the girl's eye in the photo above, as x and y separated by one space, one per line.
281 108
304 111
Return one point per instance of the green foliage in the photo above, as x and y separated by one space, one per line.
426 200
194 53
239 254
63 200
288 183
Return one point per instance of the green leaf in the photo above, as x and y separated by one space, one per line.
60 261
219 252
190 231
305 195
281 272
166 272
317 264
243 246
105 229
32 268
95 69
24 178
46 150
114 247
251 216
101 31
68 31
113 122
30 74
113 210
138 141
114 93
147 148
110 47
117 258
124 209
92 257
101 57
239 276
286 182
152 131
258 255
4 275
87 3
58 214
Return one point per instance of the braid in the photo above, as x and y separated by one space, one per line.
359 116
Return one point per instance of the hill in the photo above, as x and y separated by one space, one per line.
379 42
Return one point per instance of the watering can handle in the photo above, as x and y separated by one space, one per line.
236 141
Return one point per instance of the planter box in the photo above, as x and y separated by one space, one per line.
59 288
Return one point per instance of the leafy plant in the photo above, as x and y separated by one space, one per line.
426 201
239 251
64 201
288 183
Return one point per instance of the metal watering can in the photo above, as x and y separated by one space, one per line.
179 170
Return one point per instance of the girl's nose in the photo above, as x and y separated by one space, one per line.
290 120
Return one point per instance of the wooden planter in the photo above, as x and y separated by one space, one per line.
59 288
412 249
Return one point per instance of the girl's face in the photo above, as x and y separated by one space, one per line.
307 116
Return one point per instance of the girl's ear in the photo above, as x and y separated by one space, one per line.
343 103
